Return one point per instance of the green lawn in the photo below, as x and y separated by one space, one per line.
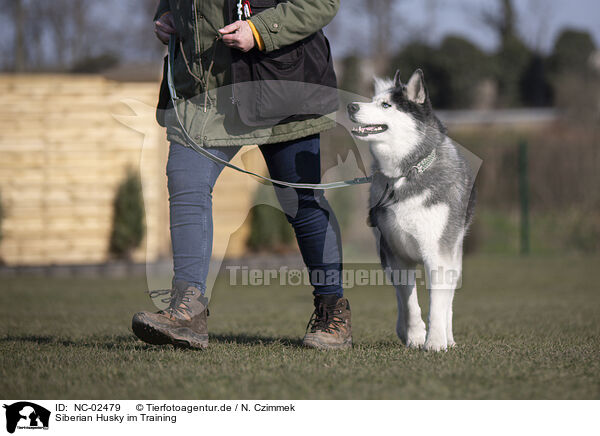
526 328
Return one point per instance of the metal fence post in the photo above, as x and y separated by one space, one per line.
524 197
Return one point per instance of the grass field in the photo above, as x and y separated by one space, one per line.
526 328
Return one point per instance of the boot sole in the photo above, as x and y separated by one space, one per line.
182 337
321 346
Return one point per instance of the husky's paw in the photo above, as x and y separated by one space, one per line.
451 344
416 336
436 342
435 346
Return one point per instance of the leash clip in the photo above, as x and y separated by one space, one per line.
247 9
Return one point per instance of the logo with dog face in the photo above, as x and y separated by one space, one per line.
26 415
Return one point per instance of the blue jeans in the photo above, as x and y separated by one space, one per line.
191 178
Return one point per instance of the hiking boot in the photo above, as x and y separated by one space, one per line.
182 324
330 325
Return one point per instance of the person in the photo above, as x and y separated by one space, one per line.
209 45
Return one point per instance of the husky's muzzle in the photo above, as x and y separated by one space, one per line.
366 129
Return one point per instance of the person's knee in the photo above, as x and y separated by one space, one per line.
188 184
309 217
189 192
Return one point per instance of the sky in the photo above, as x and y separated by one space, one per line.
540 21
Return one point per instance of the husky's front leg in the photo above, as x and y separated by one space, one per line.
441 280
410 327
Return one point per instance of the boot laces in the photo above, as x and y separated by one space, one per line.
177 301
325 318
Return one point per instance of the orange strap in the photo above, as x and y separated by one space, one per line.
259 41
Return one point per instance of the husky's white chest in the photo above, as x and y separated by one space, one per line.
411 227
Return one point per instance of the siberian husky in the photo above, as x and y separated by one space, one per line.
421 201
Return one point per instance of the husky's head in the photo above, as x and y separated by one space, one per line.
397 119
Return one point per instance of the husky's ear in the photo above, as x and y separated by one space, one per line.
415 88
382 85
397 81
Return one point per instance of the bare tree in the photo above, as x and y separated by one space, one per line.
381 15
57 34
540 28
67 26
15 13
80 21
19 21
431 8
503 20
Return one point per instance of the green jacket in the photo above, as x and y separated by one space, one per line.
197 23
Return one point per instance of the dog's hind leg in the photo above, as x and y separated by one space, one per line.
457 272
449 334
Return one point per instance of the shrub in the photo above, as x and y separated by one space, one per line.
419 55
464 66
128 219
452 71
511 63
571 52
269 228
95 64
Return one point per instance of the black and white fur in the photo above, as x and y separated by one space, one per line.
422 216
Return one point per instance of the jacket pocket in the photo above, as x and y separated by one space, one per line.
285 57
280 74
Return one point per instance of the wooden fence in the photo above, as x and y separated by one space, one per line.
65 144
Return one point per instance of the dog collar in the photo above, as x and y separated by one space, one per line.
420 167
425 163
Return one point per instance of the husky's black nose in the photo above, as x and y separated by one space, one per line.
353 108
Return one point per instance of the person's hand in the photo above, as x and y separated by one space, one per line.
238 35
164 27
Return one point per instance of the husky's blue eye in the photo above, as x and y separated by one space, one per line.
386 105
